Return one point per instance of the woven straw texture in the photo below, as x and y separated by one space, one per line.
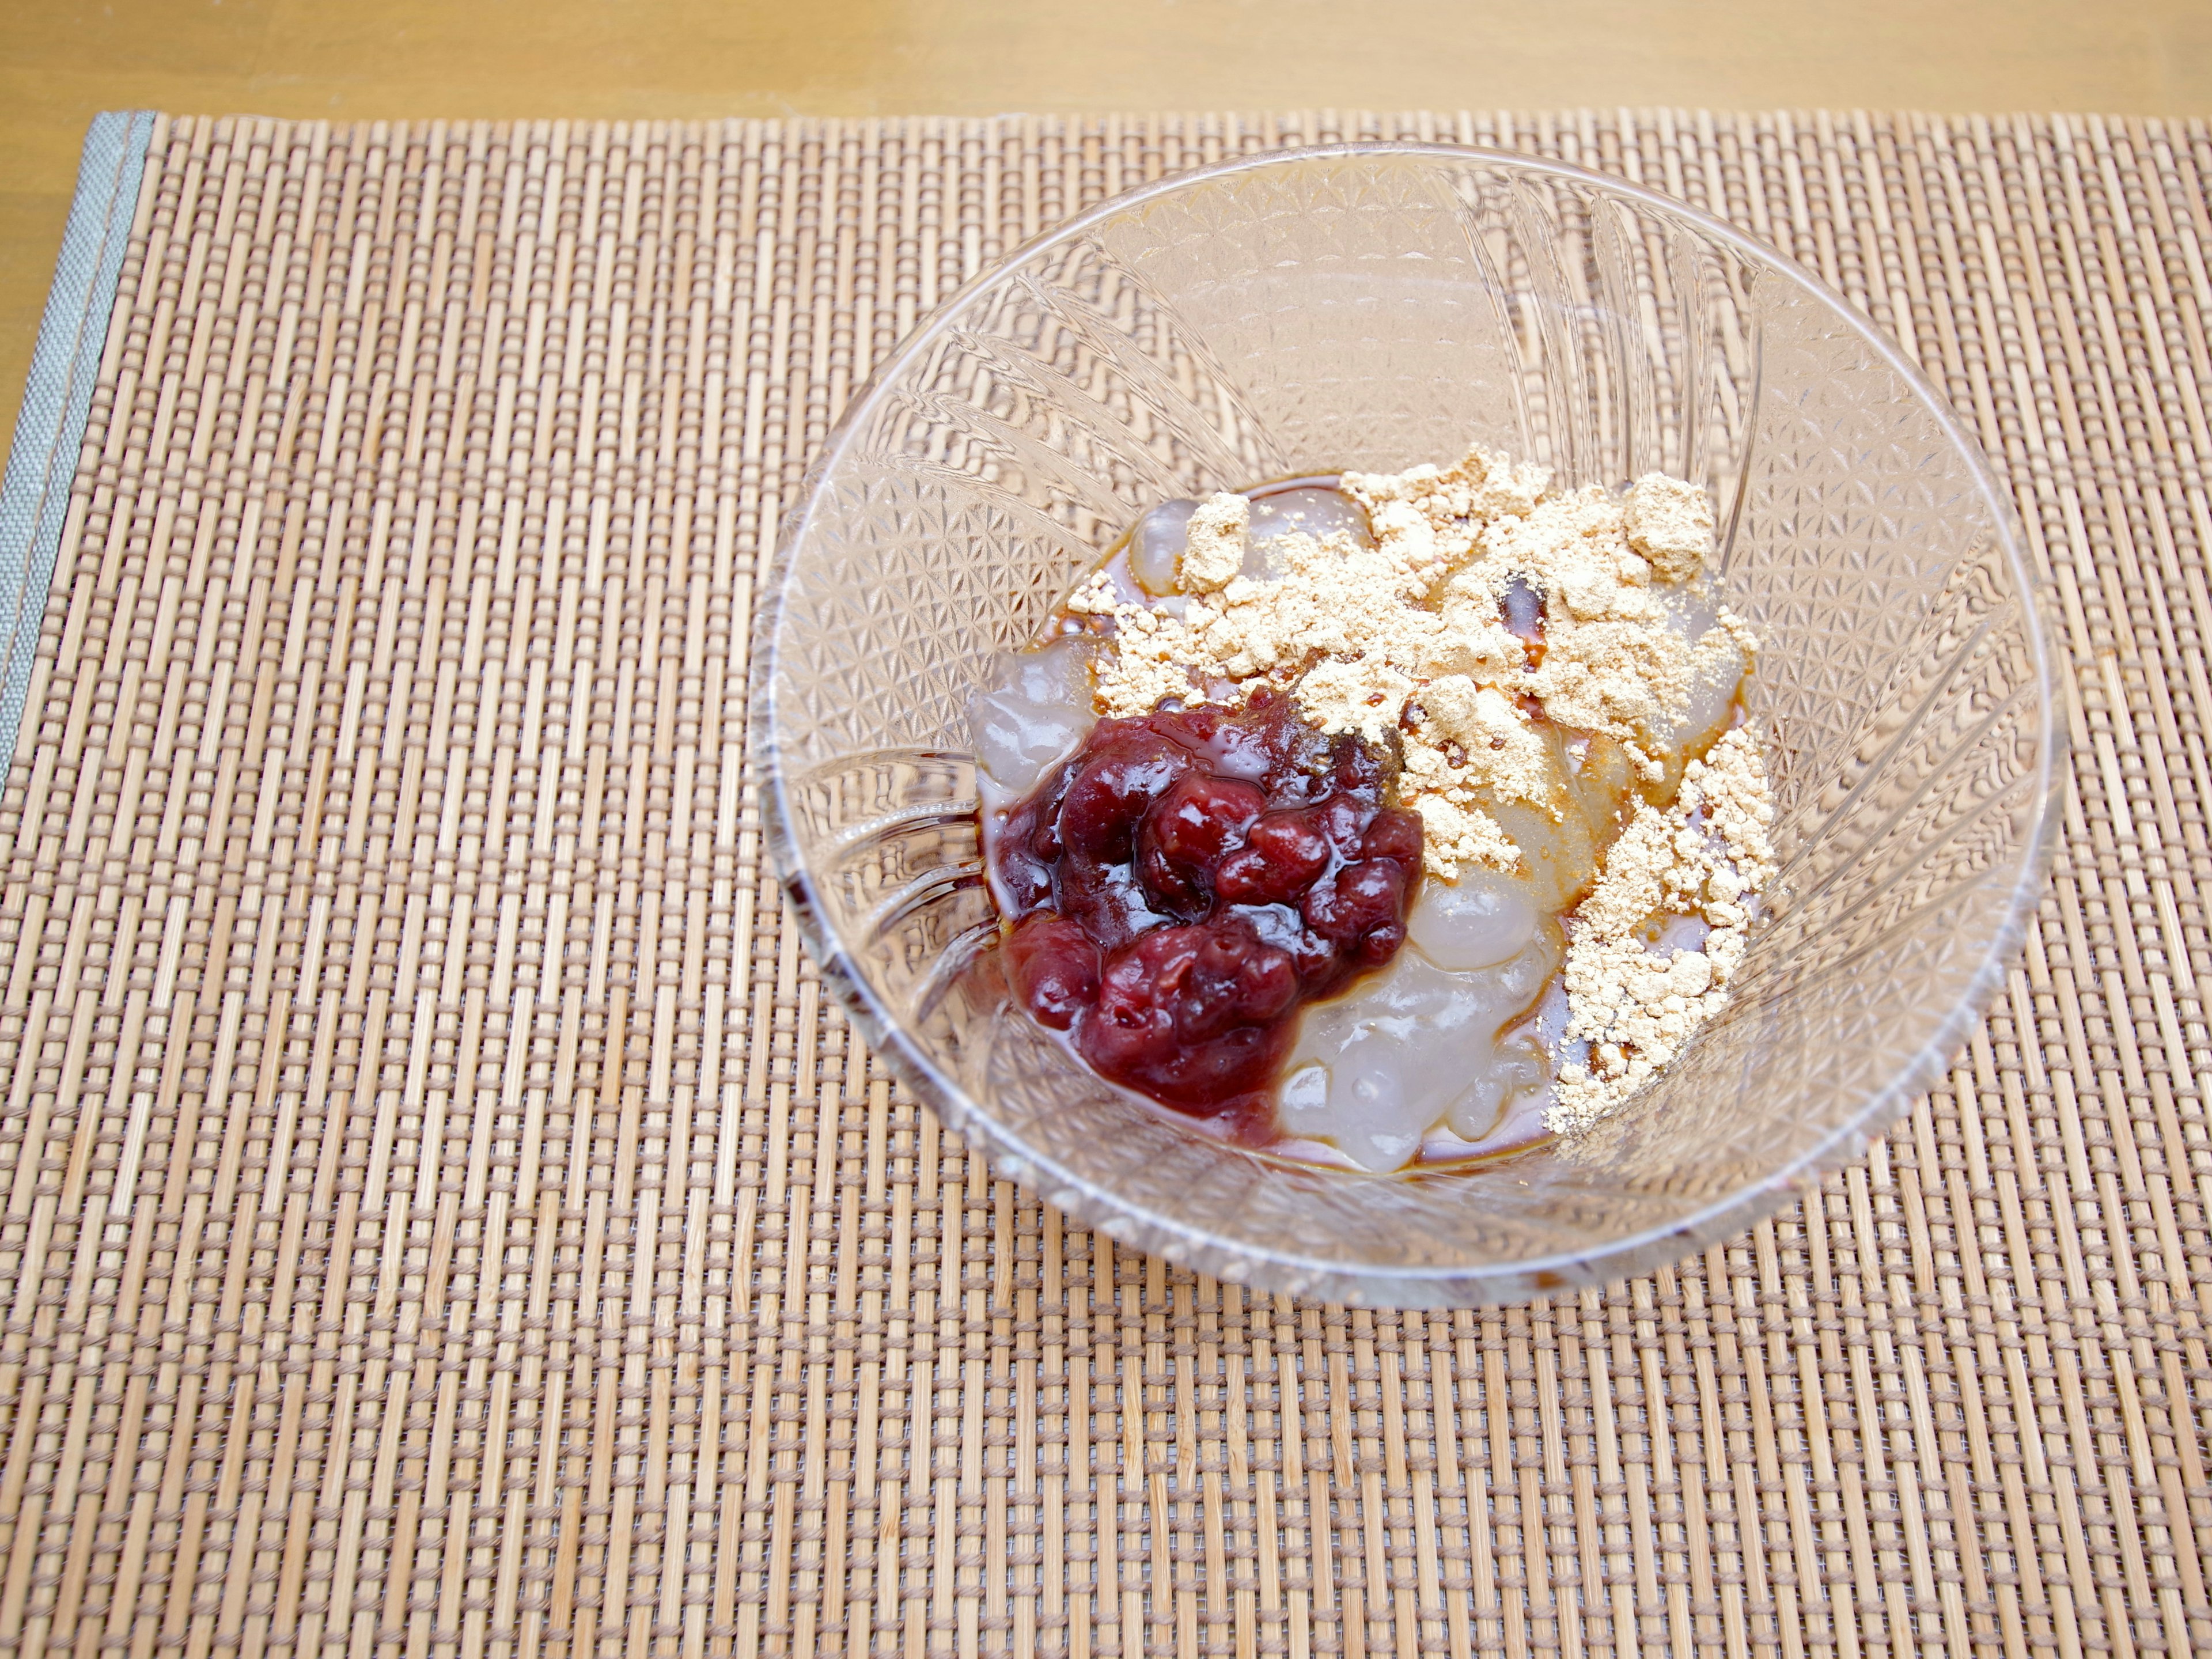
442 1217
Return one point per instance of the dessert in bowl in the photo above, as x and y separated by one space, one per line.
1425 816
1356 310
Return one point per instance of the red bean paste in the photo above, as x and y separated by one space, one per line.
1187 880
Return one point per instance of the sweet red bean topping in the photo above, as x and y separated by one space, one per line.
1187 879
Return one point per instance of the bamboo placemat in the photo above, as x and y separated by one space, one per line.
445 1217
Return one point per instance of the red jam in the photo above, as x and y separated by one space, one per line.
1186 880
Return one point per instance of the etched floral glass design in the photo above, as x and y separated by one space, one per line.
1373 305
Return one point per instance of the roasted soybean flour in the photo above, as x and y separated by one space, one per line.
1384 819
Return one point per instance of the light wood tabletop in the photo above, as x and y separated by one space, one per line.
60 62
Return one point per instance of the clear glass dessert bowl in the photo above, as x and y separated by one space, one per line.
1369 306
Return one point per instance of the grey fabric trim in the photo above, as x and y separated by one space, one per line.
42 462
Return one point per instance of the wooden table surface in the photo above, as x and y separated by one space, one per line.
61 62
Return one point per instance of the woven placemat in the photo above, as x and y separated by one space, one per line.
444 1217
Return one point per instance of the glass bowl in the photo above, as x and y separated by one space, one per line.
1371 306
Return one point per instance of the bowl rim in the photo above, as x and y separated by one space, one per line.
1237 1261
